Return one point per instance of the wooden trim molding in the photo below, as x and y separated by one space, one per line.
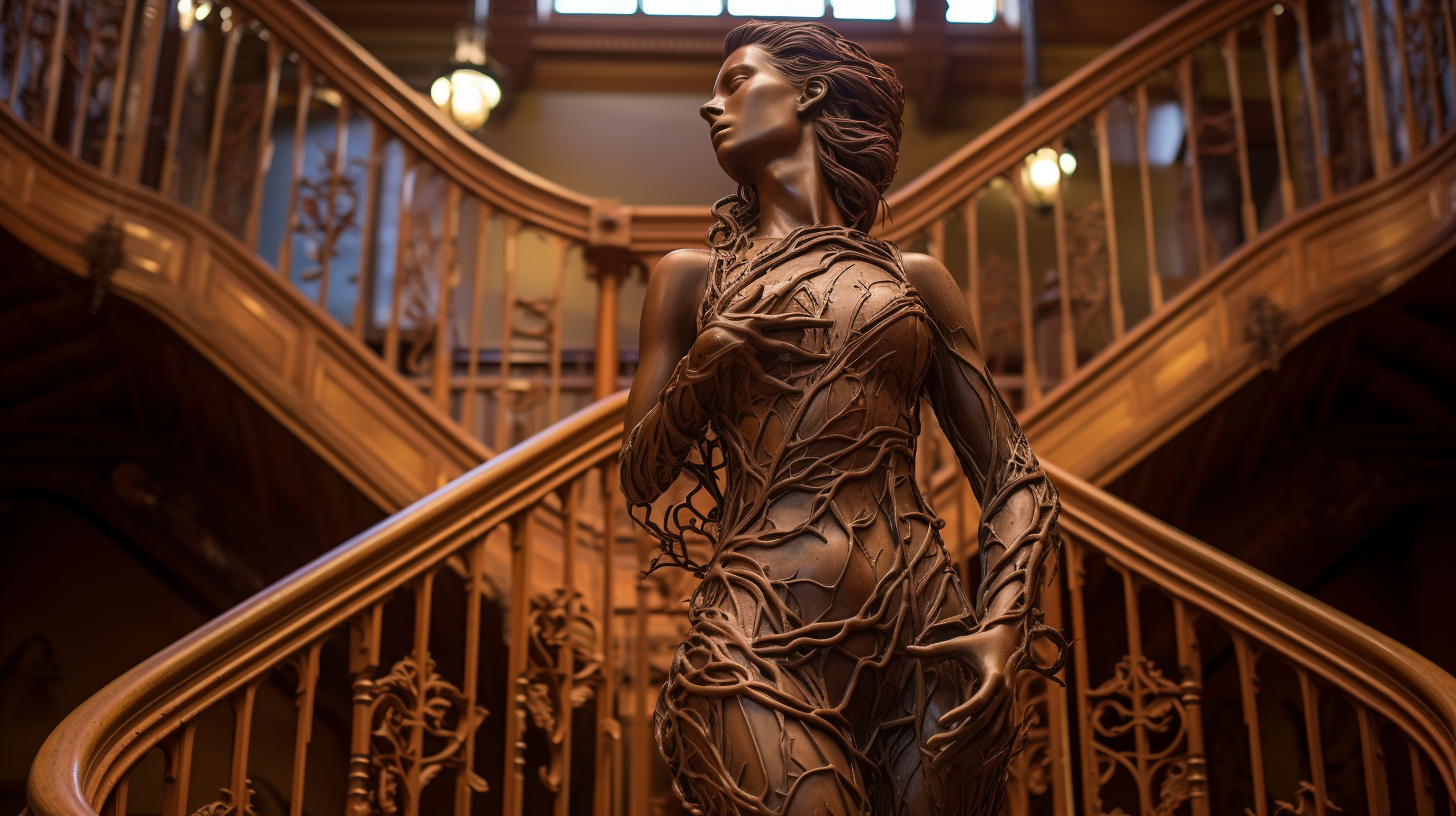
286 352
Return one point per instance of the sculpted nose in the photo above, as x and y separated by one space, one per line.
711 110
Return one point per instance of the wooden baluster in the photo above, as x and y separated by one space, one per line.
1155 278
1451 63
135 132
1195 171
1374 92
609 272
1309 698
368 241
1059 738
1114 267
1311 96
1414 137
971 215
264 155
503 393
1372 752
118 88
242 738
1031 388
1132 614
308 671
1247 656
401 253
1433 85
296 173
609 731
466 780
1190 664
337 173
177 769
1421 782
78 117
219 113
1068 334
1076 579
558 298
642 744
442 361
414 782
1269 34
364 637
477 306
57 47
566 657
1241 134
22 35
186 54
116 803
515 778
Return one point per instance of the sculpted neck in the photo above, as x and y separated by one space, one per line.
793 193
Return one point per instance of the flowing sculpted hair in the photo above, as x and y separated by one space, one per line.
858 123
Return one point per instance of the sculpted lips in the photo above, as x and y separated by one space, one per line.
717 130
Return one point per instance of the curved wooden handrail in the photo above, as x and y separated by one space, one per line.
81 761
87 755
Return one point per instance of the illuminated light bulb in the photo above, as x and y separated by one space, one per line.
1045 173
1278 9
225 13
440 92
203 9
1068 163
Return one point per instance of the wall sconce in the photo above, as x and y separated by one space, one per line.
1043 170
470 87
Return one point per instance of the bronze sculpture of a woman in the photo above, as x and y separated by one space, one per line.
834 663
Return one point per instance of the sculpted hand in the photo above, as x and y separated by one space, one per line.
989 717
761 334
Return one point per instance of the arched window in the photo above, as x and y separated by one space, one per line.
959 11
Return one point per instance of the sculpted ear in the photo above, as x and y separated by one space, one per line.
816 90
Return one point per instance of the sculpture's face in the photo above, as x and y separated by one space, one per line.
754 115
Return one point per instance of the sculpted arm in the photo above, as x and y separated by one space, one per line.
1019 507
665 415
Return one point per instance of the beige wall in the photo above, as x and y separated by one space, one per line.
651 147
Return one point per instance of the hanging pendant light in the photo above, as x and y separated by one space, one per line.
469 89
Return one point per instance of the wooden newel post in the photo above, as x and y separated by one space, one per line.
609 258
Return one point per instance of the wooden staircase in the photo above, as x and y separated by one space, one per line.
409 304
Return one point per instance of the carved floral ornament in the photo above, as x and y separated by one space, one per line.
400 703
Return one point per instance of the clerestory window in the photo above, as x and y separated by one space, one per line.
958 11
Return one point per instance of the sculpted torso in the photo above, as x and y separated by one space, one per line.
834 663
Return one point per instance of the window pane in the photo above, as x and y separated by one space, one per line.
864 9
596 6
970 11
705 8
776 8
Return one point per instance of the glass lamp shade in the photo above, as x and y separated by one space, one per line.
468 95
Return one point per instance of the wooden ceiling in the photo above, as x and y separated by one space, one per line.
659 53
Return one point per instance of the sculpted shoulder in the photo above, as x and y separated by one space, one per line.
681 273
939 291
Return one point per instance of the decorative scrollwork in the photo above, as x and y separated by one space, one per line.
408 700
562 655
1303 804
1268 327
1139 698
328 207
228 805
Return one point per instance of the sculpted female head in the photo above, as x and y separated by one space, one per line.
775 75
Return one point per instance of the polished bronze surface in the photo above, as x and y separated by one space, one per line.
834 663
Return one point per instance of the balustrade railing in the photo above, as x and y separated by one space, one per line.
446 662
464 274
